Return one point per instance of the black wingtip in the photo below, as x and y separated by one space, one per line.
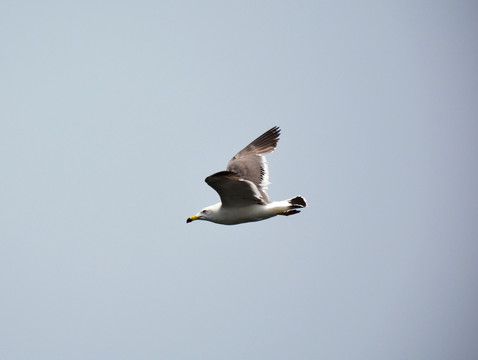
268 140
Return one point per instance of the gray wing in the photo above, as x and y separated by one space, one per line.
233 190
250 163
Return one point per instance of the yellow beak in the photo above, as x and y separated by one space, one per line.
192 218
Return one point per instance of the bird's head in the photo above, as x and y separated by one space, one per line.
204 214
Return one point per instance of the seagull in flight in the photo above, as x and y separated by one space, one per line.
242 187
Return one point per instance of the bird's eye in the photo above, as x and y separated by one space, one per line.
203 212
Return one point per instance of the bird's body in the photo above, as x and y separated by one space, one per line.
242 187
255 212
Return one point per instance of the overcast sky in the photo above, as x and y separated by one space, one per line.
112 114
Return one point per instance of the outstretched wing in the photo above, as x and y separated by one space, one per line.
233 190
250 163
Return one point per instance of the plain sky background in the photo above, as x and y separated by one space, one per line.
112 114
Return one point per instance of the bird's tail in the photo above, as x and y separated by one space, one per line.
295 203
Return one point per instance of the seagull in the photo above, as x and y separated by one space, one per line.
242 187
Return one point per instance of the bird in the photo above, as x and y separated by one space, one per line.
242 187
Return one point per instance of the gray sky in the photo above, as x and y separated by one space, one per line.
113 113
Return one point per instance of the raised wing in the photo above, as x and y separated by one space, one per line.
250 163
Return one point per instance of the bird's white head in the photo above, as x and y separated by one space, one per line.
205 214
